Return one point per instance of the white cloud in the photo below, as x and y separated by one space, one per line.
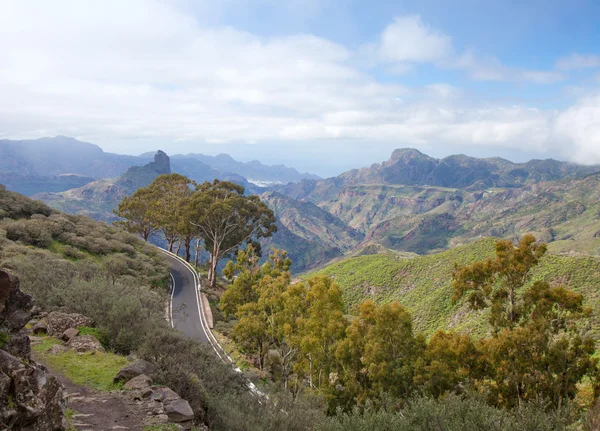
576 131
578 61
409 39
125 71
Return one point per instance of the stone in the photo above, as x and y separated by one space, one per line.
179 411
18 345
84 344
59 322
135 369
14 304
139 382
40 328
69 333
167 394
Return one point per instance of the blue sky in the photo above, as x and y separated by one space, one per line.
322 85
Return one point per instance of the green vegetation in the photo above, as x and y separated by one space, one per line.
216 212
94 369
423 284
368 365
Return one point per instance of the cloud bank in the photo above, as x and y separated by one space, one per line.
145 69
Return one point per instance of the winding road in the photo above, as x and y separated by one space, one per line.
185 301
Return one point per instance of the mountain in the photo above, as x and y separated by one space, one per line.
29 185
99 198
255 172
415 203
311 235
61 163
410 167
61 155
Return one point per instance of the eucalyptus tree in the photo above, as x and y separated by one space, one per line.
135 212
226 219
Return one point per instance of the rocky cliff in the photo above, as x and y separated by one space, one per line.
30 399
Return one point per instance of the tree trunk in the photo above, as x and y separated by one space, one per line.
171 243
178 248
210 259
197 252
188 255
213 266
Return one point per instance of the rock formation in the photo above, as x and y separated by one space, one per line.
29 397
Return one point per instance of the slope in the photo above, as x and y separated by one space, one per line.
99 198
423 283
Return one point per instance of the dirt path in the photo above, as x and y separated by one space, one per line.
95 410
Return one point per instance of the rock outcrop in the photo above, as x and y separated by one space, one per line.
58 323
29 397
135 369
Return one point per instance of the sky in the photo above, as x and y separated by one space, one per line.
320 85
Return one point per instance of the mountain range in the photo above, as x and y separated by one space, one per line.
40 165
410 203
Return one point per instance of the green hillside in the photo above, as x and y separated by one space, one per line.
423 283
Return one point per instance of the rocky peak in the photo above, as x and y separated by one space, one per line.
407 154
161 164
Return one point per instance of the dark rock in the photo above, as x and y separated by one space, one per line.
139 382
37 398
18 345
69 333
135 369
179 411
59 322
167 394
85 343
40 328
14 304
38 401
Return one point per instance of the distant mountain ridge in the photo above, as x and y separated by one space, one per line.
409 166
33 166
254 171
99 198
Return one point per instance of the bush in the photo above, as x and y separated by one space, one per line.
452 413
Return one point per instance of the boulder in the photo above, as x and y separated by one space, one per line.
69 333
135 369
179 411
59 322
165 395
14 304
85 343
40 328
140 382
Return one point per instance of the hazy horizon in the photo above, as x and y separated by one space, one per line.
320 85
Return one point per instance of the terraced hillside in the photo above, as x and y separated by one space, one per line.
423 283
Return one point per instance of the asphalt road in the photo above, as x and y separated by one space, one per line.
185 309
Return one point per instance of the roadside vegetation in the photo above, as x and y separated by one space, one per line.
371 367
328 366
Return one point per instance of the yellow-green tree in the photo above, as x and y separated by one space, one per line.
544 357
319 331
494 283
246 274
450 361
379 353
